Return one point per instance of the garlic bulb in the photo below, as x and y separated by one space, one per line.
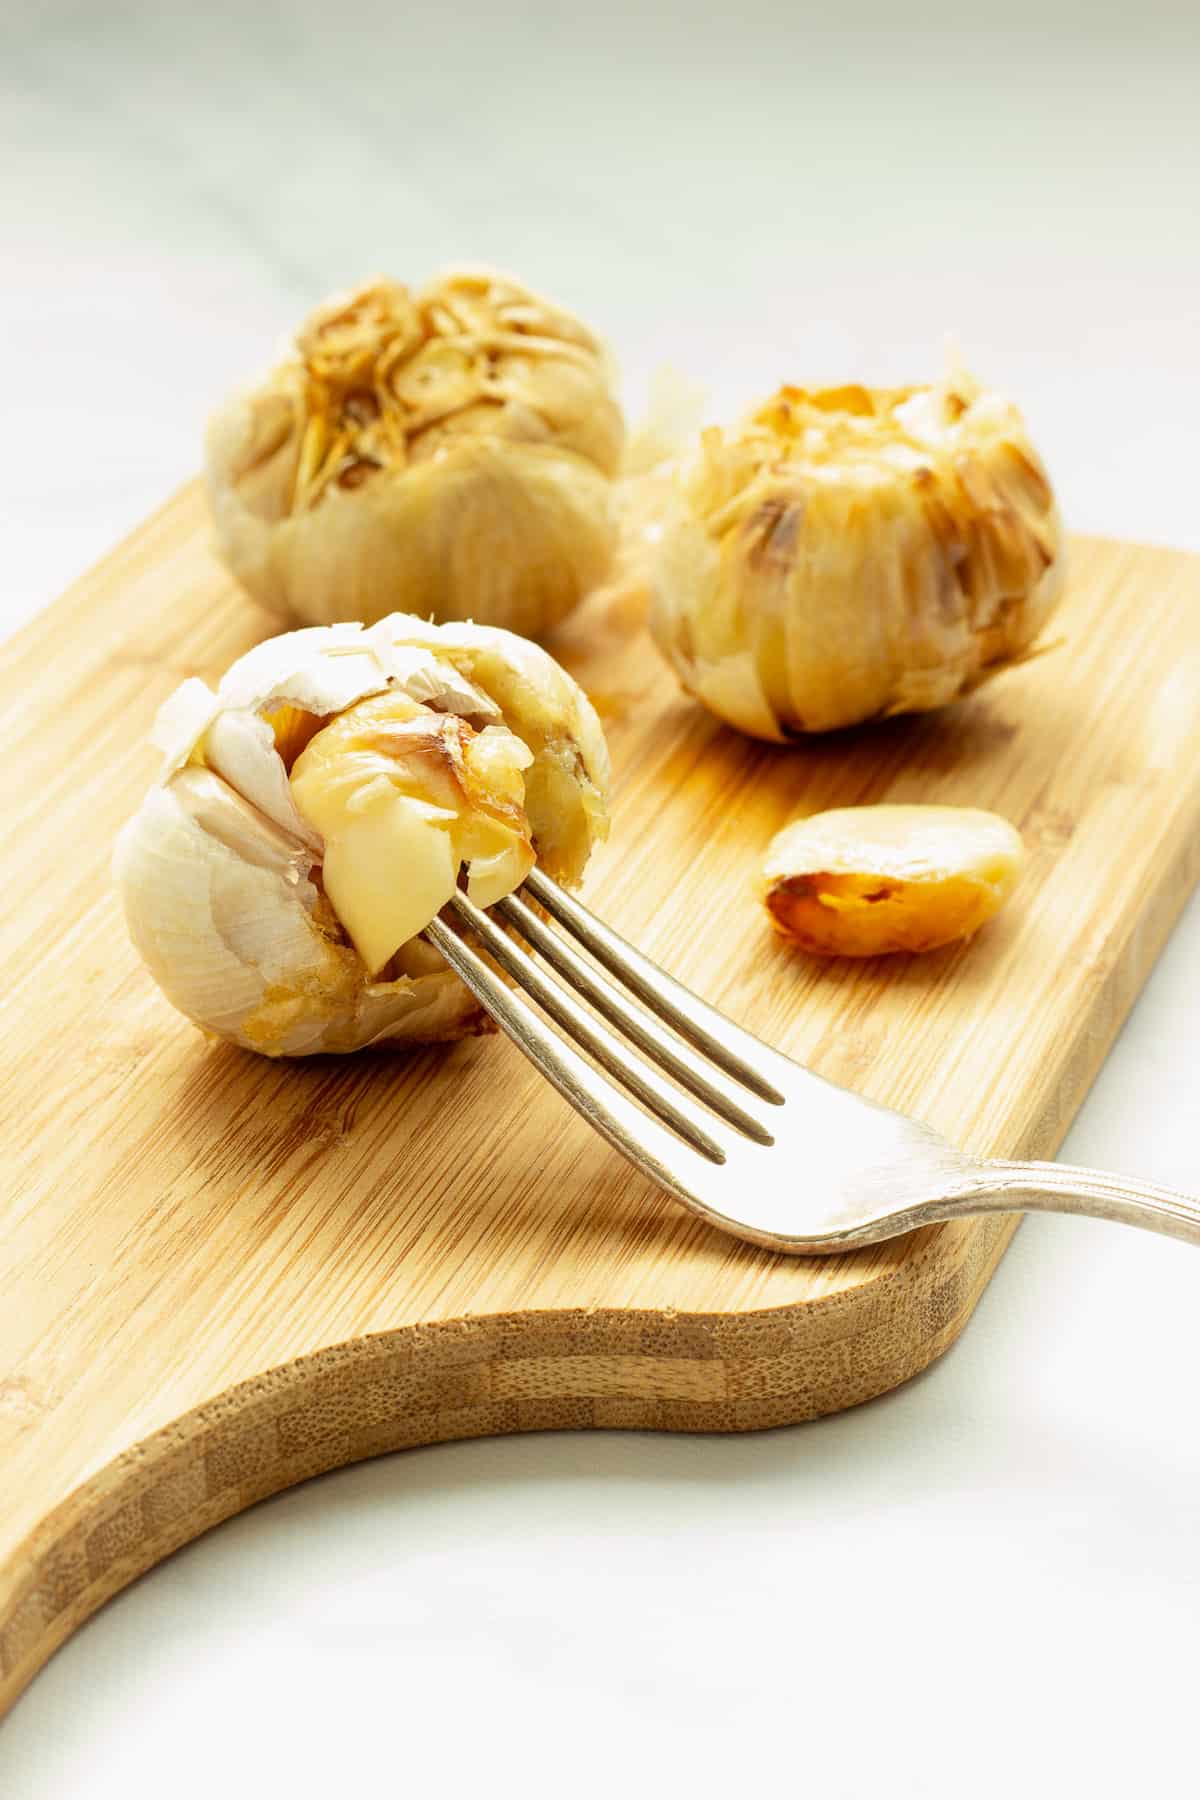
314 813
871 880
447 452
854 553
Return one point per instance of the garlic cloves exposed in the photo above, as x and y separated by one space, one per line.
321 807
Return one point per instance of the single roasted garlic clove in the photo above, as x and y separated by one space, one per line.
852 553
320 808
448 452
870 880
401 804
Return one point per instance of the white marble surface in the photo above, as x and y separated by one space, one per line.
989 1582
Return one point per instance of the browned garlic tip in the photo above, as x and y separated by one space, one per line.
391 377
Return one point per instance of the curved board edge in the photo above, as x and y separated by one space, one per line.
479 1377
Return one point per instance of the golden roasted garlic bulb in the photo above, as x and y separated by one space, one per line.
446 452
315 813
853 553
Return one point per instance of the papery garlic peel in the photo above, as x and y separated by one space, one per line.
852 553
870 880
318 810
445 452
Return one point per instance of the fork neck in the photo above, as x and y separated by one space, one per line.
1091 1193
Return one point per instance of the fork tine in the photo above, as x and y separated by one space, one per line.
646 1143
642 1028
608 1049
736 1051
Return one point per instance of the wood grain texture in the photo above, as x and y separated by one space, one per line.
220 1275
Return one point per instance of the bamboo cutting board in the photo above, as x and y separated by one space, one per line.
219 1275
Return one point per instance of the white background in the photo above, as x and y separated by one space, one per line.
987 1583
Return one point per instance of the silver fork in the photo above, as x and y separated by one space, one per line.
740 1134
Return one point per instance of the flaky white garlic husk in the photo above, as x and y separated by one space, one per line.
852 553
447 452
315 812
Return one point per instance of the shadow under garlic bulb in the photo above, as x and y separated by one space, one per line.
445 452
321 807
852 553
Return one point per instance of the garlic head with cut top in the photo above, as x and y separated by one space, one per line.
320 808
852 553
445 452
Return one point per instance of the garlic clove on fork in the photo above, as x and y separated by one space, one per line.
401 805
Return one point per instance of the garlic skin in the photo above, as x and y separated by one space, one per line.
448 452
873 880
853 553
313 814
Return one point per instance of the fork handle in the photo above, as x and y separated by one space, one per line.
1090 1193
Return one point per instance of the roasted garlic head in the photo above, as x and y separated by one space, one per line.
853 553
868 880
318 810
446 452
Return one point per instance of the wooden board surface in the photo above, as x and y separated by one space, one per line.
219 1275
